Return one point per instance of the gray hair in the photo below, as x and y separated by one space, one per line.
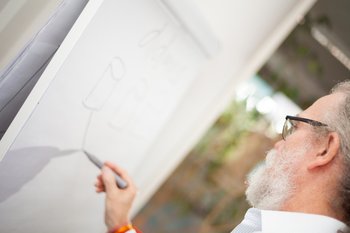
341 124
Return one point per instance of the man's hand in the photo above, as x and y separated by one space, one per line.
118 201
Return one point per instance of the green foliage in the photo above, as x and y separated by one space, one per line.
224 136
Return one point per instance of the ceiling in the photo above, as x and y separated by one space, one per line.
303 66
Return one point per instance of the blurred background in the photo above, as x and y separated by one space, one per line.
206 191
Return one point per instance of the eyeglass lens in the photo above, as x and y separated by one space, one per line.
287 128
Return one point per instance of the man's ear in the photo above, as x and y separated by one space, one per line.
329 147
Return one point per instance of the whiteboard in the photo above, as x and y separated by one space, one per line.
111 95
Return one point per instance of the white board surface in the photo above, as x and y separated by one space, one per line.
110 96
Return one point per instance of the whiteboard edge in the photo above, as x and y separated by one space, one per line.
48 76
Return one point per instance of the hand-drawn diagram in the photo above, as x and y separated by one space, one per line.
151 36
100 93
111 96
120 102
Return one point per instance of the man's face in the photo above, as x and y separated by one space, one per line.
273 183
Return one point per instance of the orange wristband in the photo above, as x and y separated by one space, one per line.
122 229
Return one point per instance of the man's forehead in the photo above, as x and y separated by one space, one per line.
322 106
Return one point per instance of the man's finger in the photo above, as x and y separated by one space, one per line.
121 172
99 184
98 190
108 179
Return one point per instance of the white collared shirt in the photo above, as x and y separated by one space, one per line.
292 222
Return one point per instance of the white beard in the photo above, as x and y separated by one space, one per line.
272 183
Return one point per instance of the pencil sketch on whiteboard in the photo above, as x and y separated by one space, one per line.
111 94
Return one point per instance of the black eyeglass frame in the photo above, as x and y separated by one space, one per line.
302 119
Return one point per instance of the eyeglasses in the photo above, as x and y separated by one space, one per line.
289 124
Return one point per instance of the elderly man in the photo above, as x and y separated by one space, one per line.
303 187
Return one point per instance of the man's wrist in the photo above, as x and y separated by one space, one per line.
128 228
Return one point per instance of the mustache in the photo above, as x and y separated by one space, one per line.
270 158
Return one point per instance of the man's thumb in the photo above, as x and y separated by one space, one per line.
108 179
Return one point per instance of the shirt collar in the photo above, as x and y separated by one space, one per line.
292 222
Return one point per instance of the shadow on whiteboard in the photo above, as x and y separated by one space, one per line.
22 165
